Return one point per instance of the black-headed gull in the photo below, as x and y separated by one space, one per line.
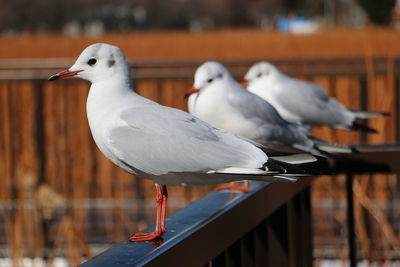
164 144
217 98
302 101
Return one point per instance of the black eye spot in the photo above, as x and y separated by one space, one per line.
111 63
92 61
210 80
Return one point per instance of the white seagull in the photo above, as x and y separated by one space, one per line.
164 144
302 101
217 98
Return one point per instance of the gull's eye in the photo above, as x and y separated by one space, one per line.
259 75
92 61
210 80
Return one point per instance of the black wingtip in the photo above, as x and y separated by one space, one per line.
319 167
354 149
362 128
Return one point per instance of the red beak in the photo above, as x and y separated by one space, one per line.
63 74
191 91
241 80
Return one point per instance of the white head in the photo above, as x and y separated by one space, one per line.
96 63
261 70
208 74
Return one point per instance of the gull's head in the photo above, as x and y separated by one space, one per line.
96 63
208 74
260 71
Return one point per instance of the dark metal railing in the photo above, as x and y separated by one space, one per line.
269 226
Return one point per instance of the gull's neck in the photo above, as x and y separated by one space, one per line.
111 89
108 96
277 75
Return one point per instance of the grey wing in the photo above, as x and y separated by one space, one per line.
158 140
310 102
252 106
299 96
266 117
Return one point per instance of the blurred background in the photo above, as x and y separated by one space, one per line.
62 201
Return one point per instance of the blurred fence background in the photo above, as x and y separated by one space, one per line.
61 197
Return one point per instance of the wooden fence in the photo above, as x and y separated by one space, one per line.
50 166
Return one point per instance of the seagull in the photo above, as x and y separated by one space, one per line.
166 145
217 98
302 101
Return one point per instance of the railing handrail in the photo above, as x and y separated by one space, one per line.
202 230
23 69
47 63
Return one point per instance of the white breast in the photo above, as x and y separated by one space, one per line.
103 108
215 110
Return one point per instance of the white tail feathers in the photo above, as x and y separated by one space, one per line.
335 148
332 148
286 178
296 158
241 171
359 114
258 174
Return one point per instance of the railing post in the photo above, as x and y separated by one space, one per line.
397 102
261 244
350 221
300 230
289 233
363 104
248 249
233 255
277 236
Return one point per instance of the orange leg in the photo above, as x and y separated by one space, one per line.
235 186
161 199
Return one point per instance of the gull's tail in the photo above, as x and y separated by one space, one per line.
327 148
361 114
362 128
283 168
259 174
294 161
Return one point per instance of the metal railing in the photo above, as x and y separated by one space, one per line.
229 229
269 226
